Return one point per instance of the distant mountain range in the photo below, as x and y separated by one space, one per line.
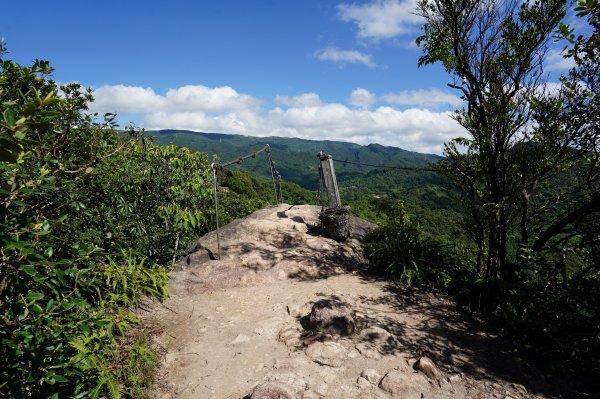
428 196
296 159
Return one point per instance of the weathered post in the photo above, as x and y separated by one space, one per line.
330 180
334 220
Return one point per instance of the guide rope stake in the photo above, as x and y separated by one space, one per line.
215 166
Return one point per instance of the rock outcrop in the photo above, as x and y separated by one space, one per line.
287 313
331 316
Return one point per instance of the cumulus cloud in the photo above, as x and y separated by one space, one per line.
126 99
426 98
345 56
305 116
556 62
134 99
381 19
303 100
414 129
362 98
218 99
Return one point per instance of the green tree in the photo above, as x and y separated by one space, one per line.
90 221
577 116
494 51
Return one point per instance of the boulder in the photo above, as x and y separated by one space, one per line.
327 353
331 316
273 390
427 367
404 385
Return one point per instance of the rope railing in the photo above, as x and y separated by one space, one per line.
385 166
240 160
275 178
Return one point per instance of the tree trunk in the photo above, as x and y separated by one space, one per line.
558 226
524 218
480 241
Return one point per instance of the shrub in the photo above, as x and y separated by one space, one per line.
404 251
74 194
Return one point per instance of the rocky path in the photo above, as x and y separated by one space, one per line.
238 327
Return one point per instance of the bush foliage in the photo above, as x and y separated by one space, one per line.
91 219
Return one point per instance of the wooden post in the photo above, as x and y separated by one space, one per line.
330 180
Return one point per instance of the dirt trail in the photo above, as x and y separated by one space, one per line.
233 324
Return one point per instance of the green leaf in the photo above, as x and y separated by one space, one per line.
29 270
24 314
9 117
60 378
37 308
34 296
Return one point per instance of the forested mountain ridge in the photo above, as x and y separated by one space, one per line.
428 196
300 163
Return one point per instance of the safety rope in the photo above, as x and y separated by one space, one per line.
385 166
275 178
240 160
213 166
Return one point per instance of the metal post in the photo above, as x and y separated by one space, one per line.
330 180
214 166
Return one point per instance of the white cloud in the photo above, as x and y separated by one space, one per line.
345 56
556 62
225 110
126 99
552 89
426 98
381 19
414 129
199 121
362 98
134 99
202 98
303 100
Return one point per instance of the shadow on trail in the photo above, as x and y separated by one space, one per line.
434 326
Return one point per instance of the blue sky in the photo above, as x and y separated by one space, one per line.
338 70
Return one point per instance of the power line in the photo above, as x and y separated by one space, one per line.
386 166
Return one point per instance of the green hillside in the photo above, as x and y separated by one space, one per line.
369 191
295 158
